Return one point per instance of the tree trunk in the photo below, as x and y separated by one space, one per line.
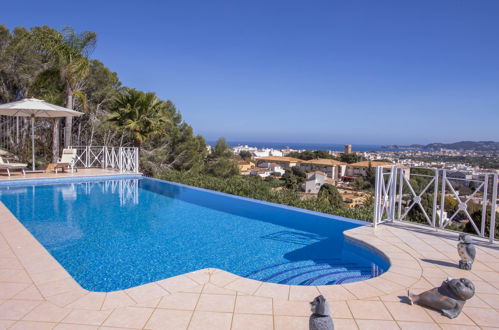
69 120
55 140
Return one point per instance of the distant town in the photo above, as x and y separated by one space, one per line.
352 172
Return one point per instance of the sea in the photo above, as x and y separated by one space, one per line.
308 146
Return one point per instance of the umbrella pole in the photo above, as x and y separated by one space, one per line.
33 139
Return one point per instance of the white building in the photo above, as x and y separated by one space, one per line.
314 182
273 167
261 172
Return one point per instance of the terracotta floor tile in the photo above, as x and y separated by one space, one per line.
335 292
68 326
251 321
406 312
87 317
177 283
92 301
30 293
31 325
9 290
490 299
483 317
417 326
66 298
10 263
56 287
14 276
346 324
210 321
216 303
5 324
460 327
16 309
253 305
214 289
462 319
146 292
291 308
363 290
222 278
304 293
50 276
169 319
340 309
180 301
47 312
128 317
371 310
376 324
273 290
114 300
200 276
291 323
244 285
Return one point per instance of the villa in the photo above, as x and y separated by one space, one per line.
245 166
315 180
333 168
281 160
360 168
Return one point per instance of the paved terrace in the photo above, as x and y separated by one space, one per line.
37 293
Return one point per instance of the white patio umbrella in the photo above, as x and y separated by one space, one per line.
31 107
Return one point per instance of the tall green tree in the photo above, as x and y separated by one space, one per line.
331 195
221 161
139 114
72 58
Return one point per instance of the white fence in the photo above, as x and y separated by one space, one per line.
123 159
395 198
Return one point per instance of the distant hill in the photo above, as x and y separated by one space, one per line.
487 146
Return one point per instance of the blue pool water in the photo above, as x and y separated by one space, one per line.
113 234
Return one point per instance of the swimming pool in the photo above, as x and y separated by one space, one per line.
116 233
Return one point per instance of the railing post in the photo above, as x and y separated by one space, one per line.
435 200
105 156
492 228
393 191
136 170
376 196
442 199
400 192
87 156
484 205
120 159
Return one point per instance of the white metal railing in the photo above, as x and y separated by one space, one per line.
395 197
123 159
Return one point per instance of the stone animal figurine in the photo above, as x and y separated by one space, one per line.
320 318
466 251
449 298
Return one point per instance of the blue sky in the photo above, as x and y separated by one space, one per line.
411 71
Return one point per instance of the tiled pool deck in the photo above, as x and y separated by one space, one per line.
37 293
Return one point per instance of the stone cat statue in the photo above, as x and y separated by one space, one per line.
466 251
320 318
449 298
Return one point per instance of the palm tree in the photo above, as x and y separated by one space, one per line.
140 114
71 53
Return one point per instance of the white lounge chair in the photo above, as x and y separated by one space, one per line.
5 165
67 160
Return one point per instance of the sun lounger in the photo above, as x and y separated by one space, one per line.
12 166
67 161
